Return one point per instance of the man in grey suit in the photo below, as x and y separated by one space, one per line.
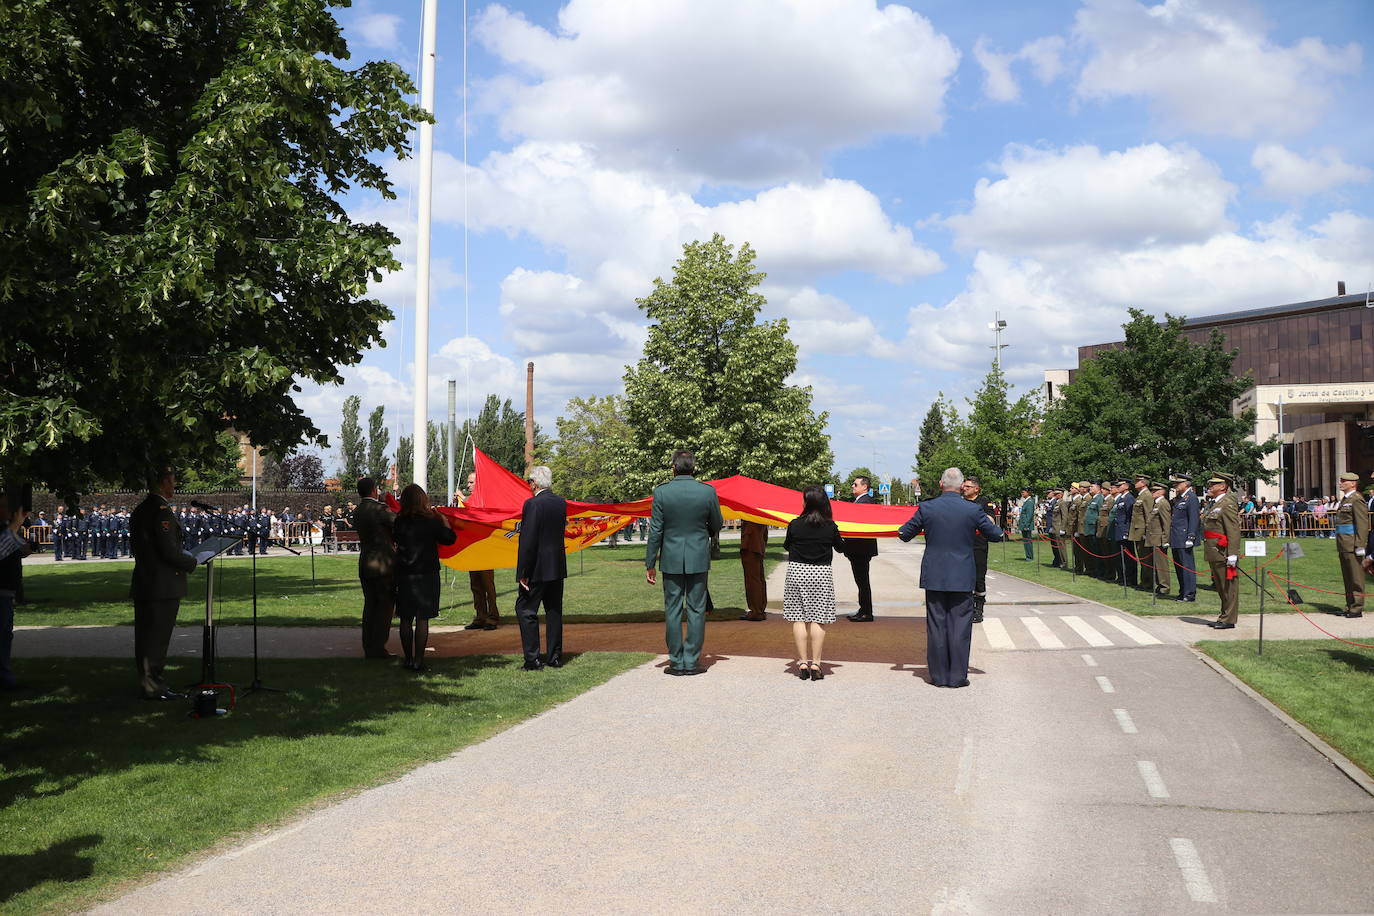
947 575
376 568
686 516
159 583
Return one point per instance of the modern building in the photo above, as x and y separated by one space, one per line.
1312 365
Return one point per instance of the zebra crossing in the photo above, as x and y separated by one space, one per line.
1068 631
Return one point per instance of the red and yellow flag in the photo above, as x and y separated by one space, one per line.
488 524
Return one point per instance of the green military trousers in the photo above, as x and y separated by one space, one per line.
684 593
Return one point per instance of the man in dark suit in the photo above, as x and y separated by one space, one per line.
686 516
947 575
376 568
861 552
159 584
1122 515
541 566
1183 535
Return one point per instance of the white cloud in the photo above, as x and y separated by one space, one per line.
1052 201
1287 174
738 92
1208 66
378 30
821 323
1055 304
1045 56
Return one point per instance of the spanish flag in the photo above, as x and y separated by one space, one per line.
488 523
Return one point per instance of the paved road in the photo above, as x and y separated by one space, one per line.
1090 778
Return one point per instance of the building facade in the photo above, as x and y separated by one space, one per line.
1312 368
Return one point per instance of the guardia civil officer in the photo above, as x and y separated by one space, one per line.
1352 532
1221 533
159 584
1184 519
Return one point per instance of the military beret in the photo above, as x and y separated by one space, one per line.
1350 475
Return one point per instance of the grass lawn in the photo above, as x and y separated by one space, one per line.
604 585
96 790
1324 684
1318 567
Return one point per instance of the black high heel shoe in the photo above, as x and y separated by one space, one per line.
803 672
816 674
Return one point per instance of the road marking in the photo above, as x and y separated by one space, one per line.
1153 783
1037 611
997 634
1089 660
1082 628
1131 630
1123 718
1194 875
1105 684
1042 633
965 767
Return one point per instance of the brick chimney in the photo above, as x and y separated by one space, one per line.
1340 287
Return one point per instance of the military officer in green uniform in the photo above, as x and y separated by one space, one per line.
1351 520
159 584
686 516
1221 536
1092 512
1159 515
1139 528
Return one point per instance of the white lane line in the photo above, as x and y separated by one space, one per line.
961 781
1153 783
1042 633
1037 611
1105 684
1082 628
997 634
1194 875
1131 630
1089 660
1123 718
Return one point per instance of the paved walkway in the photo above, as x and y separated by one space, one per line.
1111 772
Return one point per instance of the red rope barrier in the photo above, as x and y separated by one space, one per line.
1309 619
1100 556
1315 589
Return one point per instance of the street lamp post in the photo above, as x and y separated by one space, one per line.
996 327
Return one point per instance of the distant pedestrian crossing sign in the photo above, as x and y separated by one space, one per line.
884 488
830 490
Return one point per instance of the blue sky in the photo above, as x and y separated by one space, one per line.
903 171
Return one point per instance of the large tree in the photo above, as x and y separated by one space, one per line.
997 437
588 459
217 469
378 438
351 446
1159 403
170 226
713 379
499 431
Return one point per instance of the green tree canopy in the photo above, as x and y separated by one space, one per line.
170 229
1158 404
713 379
378 438
351 446
499 431
588 459
933 434
217 469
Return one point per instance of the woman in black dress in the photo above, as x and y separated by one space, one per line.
418 532
808 597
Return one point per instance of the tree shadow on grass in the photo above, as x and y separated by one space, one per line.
1356 661
62 861
79 719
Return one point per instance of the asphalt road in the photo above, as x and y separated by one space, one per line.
1114 773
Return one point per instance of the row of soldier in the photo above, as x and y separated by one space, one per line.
1137 532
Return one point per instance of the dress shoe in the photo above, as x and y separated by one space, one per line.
166 693
532 666
860 618
476 625
1184 598
380 655
1223 626
1353 614
752 616
960 684
554 663
1161 592
690 672
673 672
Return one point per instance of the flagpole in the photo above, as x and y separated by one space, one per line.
426 184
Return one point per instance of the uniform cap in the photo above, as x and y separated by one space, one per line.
1156 486
1144 477
1180 478
1220 478
1123 482
1351 475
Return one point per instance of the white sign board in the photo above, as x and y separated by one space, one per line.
1256 549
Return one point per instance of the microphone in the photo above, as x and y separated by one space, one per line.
205 507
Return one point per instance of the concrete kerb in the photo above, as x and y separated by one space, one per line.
1352 772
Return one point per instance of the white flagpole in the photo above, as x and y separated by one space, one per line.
426 184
